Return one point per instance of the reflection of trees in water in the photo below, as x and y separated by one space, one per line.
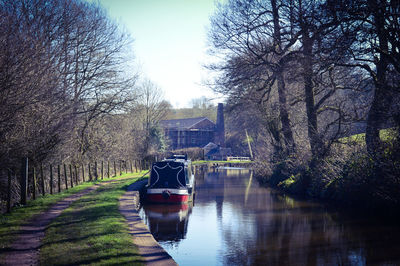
272 229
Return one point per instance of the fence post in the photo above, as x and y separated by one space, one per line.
90 173
51 179
65 176
24 180
34 184
108 169
95 170
59 178
9 191
42 177
83 172
115 170
70 175
102 170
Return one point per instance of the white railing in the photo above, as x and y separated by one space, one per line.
237 158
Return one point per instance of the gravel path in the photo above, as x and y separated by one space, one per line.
152 253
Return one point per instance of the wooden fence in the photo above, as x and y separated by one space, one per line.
55 178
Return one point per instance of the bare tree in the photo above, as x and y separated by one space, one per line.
295 48
373 27
93 56
250 35
150 109
64 67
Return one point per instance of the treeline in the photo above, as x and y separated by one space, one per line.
200 107
69 91
301 76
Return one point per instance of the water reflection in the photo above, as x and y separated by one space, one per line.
168 222
237 222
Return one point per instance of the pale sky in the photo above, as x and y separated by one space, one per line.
169 43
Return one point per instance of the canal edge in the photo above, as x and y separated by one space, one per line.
150 250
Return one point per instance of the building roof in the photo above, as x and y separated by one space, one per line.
185 123
210 146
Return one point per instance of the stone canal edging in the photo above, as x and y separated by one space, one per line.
150 250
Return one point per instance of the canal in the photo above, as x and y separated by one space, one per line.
234 221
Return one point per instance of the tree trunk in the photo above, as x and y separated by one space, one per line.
65 177
59 178
373 121
51 179
284 115
382 97
24 180
312 122
9 191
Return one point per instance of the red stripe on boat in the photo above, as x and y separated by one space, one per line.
173 198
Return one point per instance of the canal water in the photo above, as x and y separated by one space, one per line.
234 221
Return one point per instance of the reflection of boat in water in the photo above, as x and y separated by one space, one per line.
171 181
168 222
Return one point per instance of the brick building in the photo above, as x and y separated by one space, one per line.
195 132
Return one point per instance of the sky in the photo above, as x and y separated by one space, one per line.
170 43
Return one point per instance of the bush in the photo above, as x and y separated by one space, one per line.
347 175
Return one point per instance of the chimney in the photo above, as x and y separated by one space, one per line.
219 136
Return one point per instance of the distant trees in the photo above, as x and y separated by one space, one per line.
199 107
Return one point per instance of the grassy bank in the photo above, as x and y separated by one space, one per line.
348 175
92 231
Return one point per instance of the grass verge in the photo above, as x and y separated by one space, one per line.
384 134
11 222
92 231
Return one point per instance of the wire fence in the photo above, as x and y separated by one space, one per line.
32 180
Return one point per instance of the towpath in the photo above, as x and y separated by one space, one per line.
152 253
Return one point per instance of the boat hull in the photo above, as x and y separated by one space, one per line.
167 195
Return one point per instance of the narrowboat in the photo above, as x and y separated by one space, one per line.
171 181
